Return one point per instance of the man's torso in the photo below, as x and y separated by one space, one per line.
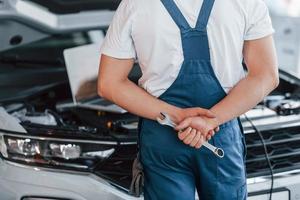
158 43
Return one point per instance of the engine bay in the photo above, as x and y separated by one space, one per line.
105 143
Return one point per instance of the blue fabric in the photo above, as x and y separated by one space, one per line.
172 169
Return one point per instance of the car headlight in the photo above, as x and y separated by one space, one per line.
26 147
54 152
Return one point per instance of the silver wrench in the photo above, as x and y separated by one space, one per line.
168 122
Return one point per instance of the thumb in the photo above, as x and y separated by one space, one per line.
183 125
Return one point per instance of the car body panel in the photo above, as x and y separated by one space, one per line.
17 181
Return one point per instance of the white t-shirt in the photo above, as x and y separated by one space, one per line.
143 29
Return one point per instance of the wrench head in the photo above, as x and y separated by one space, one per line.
219 152
162 120
165 120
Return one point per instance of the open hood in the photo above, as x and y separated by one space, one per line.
75 6
25 21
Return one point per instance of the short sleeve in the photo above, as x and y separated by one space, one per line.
259 23
118 42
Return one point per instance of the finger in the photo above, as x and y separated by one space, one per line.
217 129
200 142
196 139
206 112
184 124
214 133
210 135
182 135
209 138
190 137
211 132
205 134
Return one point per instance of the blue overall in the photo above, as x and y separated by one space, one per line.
172 169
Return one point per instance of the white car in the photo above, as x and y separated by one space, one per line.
53 148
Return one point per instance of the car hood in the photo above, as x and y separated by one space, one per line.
25 21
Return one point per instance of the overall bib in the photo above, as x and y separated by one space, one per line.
172 169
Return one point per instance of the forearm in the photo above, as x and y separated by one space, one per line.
114 85
261 60
243 97
137 101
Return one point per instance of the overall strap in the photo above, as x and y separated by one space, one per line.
176 14
204 14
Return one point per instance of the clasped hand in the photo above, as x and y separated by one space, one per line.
197 126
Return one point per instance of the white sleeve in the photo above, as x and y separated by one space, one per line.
259 23
118 42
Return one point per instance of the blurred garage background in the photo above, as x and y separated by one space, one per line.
54 148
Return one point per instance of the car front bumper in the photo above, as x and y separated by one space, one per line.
18 181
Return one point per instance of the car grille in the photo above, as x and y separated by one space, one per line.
117 169
283 146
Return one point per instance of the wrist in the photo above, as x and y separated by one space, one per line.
177 115
214 122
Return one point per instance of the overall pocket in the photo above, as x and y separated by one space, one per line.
231 168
